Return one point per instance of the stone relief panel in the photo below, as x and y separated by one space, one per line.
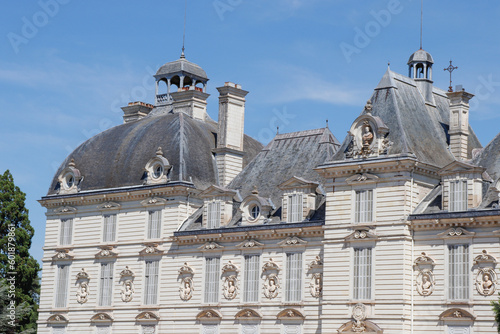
271 286
127 281
186 287
425 282
316 285
486 281
82 281
230 281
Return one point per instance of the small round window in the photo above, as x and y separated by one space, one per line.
70 180
158 171
255 212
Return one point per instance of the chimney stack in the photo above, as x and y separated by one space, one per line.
135 111
459 123
229 151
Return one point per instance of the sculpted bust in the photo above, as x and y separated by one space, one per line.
127 291
83 293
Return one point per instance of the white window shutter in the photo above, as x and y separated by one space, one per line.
212 268
458 195
293 285
109 231
154 224
62 285
214 214
362 273
458 272
151 283
295 208
66 231
251 284
106 288
363 208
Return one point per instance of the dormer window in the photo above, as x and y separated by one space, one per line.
213 214
157 169
294 208
218 206
254 212
69 179
458 195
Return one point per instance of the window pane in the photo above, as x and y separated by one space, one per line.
151 283
363 208
106 284
66 231
295 208
154 224
293 286
109 228
251 284
62 285
458 272
458 195
362 273
213 214
212 268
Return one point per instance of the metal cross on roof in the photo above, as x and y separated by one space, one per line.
450 69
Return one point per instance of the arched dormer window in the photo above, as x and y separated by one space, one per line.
69 179
157 169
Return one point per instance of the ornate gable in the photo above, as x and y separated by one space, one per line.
216 191
456 314
106 252
362 178
62 254
460 167
209 315
151 250
297 182
62 210
210 246
361 234
154 201
108 206
250 244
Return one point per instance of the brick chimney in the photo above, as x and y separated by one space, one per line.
229 151
135 111
459 123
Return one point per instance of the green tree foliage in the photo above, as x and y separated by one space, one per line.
9 312
15 260
496 309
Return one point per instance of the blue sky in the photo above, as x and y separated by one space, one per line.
67 66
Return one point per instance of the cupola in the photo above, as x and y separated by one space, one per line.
420 70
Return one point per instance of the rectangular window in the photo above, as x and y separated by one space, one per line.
458 272
249 329
458 195
362 273
151 283
148 329
210 329
66 231
213 214
293 287
212 268
292 329
458 329
154 224
364 206
59 330
106 287
251 283
109 228
295 208
62 285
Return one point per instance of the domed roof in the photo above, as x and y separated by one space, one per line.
421 56
489 158
117 157
182 65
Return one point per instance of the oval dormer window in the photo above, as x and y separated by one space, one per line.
70 180
254 212
158 171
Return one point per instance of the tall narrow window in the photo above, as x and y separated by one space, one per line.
62 285
363 206
292 329
295 208
251 283
109 228
106 285
210 329
249 329
66 231
458 272
151 283
213 214
293 288
154 224
212 268
362 273
458 195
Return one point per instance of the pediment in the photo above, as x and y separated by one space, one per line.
248 314
352 327
459 167
101 317
209 315
292 242
154 201
456 314
216 191
151 250
361 234
106 252
147 316
57 319
210 246
290 314
484 257
62 210
250 244
62 254
108 206
456 232
297 182
361 178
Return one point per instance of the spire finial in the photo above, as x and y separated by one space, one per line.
450 69
184 32
421 20
277 130
389 65
327 123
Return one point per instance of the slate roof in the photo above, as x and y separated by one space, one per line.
117 157
182 65
421 56
414 127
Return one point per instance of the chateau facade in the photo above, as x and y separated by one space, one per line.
175 223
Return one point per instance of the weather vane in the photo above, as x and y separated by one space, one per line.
450 69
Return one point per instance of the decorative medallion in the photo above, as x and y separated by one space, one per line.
486 281
127 290
316 285
271 286
230 287
186 289
425 282
82 280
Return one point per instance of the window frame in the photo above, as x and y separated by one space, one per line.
65 237
151 291
61 287
212 281
371 263
287 293
150 219
354 205
295 211
108 236
106 284
467 285
214 215
256 280
458 198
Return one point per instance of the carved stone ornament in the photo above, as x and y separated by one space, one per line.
456 232
361 234
57 319
62 255
186 288
126 273
425 282
359 316
317 263
106 252
108 206
127 290
290 314
82 275
186 270
83 291
148 329
486 281
147 316
270 265
250 243
209 315
69 179
271 286
248 314
362 178
64 210
292 241
230 268
485 258
101 318
151 250
230 287
154 201
316 285
423 259
211 246
456 314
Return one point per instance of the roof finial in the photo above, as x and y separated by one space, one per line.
184 32
277 130
327 123
421 20
450 69
389 65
